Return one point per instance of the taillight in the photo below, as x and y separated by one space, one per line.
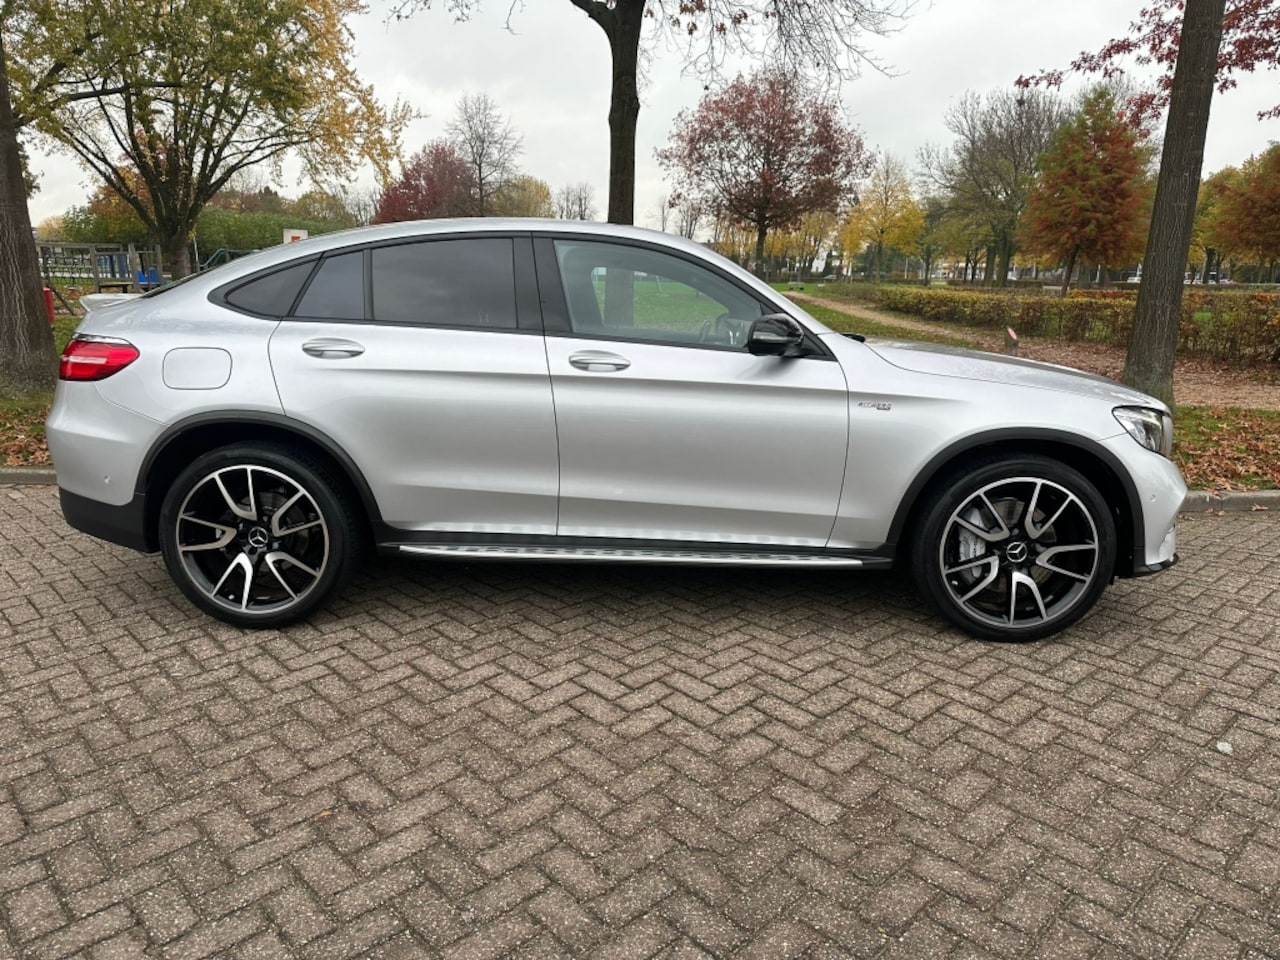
95 359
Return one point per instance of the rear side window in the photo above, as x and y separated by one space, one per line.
272 295
447 283
337 290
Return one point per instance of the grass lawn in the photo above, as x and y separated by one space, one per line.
843 323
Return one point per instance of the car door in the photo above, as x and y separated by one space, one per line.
669 430
424 361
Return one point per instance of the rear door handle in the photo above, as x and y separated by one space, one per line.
332 348
598 361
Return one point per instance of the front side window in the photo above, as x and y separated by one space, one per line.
468 282
615 290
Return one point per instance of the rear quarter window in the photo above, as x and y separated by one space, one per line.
273 294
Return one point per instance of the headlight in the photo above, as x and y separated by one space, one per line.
1151 428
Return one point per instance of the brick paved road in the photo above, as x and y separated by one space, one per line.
507 761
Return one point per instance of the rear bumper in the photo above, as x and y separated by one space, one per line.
125 525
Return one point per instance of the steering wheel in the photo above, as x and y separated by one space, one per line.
730 328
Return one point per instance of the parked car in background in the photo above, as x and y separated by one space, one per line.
571 392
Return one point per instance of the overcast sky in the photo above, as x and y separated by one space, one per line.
550 75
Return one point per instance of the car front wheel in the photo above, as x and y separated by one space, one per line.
1015 549
258 535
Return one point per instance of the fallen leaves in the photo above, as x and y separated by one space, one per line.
1226 448
22 442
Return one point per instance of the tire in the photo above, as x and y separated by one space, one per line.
1015 549
259 535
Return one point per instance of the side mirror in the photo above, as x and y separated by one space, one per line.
775 335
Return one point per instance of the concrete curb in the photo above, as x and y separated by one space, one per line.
1197 501
1202 501
27 475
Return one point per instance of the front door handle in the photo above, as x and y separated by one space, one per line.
332 348
598 361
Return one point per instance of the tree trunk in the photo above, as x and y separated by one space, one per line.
623 26
1153 342
27 360
989 267
1066 276
1208 264
762 228
177 254
1002 264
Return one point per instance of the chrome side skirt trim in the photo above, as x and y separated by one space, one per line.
625 555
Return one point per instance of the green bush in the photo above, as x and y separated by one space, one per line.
217 228
1216 325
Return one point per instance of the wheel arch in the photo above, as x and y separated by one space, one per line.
1094 461
187 439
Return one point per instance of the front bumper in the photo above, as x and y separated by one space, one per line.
1152 569
1160 492
125 525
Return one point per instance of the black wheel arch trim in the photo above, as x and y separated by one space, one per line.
1006 435
262 418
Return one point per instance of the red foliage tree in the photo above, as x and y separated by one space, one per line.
1091 197
436 182
765 151
1250 39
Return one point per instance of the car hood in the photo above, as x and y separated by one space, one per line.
996 368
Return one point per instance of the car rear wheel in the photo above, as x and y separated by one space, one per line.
1016 549
258 535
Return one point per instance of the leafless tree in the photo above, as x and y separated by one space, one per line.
663 212
576 201
689 215
363 204
988 171
489 144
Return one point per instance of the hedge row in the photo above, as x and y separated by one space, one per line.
1216 325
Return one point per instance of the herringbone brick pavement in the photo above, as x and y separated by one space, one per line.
514 761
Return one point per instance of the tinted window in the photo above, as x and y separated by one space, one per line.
337 291
451 283
634 293
272 295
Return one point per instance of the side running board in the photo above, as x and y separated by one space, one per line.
627 555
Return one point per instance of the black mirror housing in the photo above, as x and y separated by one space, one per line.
775 335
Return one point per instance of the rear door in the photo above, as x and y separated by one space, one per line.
424 361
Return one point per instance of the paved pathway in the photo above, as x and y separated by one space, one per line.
509 761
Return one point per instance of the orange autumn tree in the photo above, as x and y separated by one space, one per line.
1091 200
1249 210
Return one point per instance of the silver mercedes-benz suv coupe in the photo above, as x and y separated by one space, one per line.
566 391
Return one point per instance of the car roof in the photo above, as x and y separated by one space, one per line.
410 229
